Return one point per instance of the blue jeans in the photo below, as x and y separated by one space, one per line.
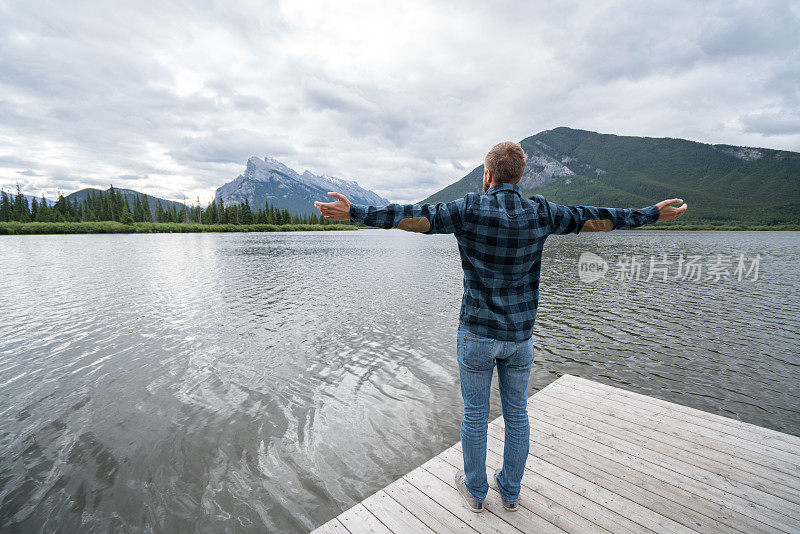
477 357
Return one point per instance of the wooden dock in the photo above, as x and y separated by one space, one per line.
604 459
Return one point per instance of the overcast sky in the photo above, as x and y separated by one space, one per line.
405 99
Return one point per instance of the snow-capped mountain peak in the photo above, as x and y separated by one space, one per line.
269 180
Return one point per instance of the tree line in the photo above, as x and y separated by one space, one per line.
112 205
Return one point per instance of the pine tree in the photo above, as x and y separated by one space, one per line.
222 215
144 209
108 204
210 215
5 207
75 210
137 209
146 212
90 212
34 208
198 211
94 208
43 215
21 211
126 217
247 214
61 209
120 204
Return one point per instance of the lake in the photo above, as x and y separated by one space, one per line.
252 382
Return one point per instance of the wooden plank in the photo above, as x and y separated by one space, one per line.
654 477
449 498
687 428
764 437
532 500
609 499
579 503
728 469
710 484
774 438
334 526
436 517
523 519
737 469
663 434
358 519
667 500
393 515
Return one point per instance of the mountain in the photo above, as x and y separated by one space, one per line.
12 195
29 198
128 195
721 183
269 180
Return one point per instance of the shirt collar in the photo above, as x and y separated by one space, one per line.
504 187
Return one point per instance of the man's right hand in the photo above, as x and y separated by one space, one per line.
335 211
668 212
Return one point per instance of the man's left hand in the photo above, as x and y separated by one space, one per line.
667 211
335 211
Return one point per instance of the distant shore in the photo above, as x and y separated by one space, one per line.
110 227
728 227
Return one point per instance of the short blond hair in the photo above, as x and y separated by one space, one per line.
506 161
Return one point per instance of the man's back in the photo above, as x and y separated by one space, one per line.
500 242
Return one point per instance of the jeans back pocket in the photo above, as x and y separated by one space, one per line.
475 352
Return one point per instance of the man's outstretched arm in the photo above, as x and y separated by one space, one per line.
575 219
441 218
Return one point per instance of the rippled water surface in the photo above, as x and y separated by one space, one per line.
251 382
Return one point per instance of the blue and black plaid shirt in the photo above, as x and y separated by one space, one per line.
500 238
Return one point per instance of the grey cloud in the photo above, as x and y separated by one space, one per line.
365 111
333 98
249 102
102 183
231 146
771 123
784 81
757 28
66 185
12 184
14 161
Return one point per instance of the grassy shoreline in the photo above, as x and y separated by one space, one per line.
726 227
110 227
